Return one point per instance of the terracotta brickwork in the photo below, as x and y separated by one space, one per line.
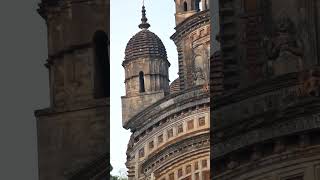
264 108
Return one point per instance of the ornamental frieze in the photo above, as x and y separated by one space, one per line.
282 98
142 141
190 24
259 135
164 108
195 143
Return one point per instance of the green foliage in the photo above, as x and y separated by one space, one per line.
118 178
121 177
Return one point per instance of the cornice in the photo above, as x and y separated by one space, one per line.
259 88
144 57
91 105
68 50
280 97
49 7
146 139
265 86
190 24
195 144
174 102
297 157
278 127
178 139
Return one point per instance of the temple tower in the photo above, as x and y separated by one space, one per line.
146 70
192 38
72 132
187 8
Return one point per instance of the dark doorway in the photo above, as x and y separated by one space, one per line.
141 82
185 6
101 65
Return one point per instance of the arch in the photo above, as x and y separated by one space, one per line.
206 4
185 6
198 5
141 82
101 65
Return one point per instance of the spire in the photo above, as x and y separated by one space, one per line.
144 24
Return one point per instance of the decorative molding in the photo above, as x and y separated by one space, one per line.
275 130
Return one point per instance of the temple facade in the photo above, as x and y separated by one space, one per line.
265 91
169 122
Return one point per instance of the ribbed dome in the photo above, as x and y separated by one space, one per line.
145 43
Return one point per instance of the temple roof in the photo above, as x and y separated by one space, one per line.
145 43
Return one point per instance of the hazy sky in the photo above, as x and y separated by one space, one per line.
125 18
24 86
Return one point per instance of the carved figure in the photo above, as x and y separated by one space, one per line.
200 65
198 76
285 49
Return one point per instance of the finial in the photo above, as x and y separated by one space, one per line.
144 24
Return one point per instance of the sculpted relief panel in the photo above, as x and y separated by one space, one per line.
284 48
290 48
196 54
200 73
306 84
201 55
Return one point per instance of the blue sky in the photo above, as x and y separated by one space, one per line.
125 18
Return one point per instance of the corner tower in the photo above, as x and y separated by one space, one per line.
192 38
72 132
187 8
146 71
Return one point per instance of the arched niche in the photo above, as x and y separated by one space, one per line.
101 65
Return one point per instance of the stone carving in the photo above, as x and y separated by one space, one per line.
284 49
277 130
200 65
131 143
311 83
198 76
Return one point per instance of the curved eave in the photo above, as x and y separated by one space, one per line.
182 149
282 124
126 61
191 23
167 106
296 112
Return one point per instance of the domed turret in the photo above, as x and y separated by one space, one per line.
145 44
146 70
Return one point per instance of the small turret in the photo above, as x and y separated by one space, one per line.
146 70
186 8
